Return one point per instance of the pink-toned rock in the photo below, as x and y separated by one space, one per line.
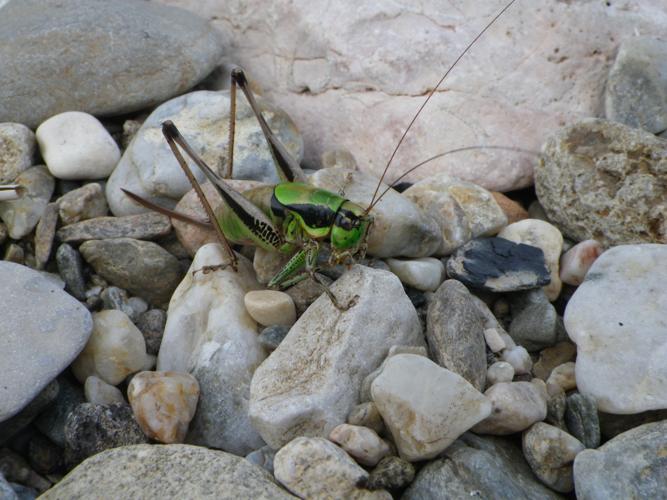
574 263
164 403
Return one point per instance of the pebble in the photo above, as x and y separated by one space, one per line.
494 341
149 51
98 392
550 452
210 335
262 457
562 378
148 226
17 150
391 473
424 406
43 330
149 168
537 326
151 323
163 403
16 470
575 263
551 357
589 193
462 209
86 202
115 298
271 336
556 410
22 215
361 443
545 236
366 415
44 456
498 265
631 465
70 268
313 467
14 253
616 318
365 391
270 307
519 358
76 146
513 210
636 89
479 466
51 422
44 234
498 372
92 428
400 228
516 406
115 349
581 418
426 273
141 267
311 381
455 332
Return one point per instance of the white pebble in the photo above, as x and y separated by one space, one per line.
270 307
97 391
500 371
361 443
426 273
574 263
494 340
76 146
519 358
562 378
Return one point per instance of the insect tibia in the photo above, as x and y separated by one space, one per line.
239 76
170 130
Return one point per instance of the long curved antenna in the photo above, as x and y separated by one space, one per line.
430 94
440 155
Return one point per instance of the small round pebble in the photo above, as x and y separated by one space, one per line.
270 307
562 378
76 145
366 415
426 273
152 323
97 391
575 263
361 443
519 358
86 202
494 340
391 473
500 371
271 336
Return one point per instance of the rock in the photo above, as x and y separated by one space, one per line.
562 378
6 490
455 332
84 203
365 391
151 52
141 267
361 443
15 469
462 209
494 340
163 403
498 372
516 406
148 226
487 466
162 471
149 168
616 319
76 146
513 210
270 307
366 415
424 274
589 193
45 456
630 465
51 422
116 298
262 457
400 228
391 473
545 236
38 319
581 418
22 215
98 392
575 263
519 358
271 336
44 234
316 468
12 426
550 453
556 410
115 349
311 381
636 89
17 150
210 335
498 265
551 357
537 326
424 406
151 323
70 268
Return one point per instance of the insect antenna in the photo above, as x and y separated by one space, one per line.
431 93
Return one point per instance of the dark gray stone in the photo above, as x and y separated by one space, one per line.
70 268
141 267
52 421
455 332
97 56
92 428
484 466
271 336
556 405
632 465
16 469
116 298
636 92
147 226
10 427
498 265
612 425
391 473
151 323
44 456
263 457
537 326
581 418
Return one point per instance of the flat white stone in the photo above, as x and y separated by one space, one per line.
76 146
424 274
270 307
617 319
494 340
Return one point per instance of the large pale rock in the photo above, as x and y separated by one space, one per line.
98 57
367 68
311 381
424 406
149 168
42 330
210 335
167 471
617 319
